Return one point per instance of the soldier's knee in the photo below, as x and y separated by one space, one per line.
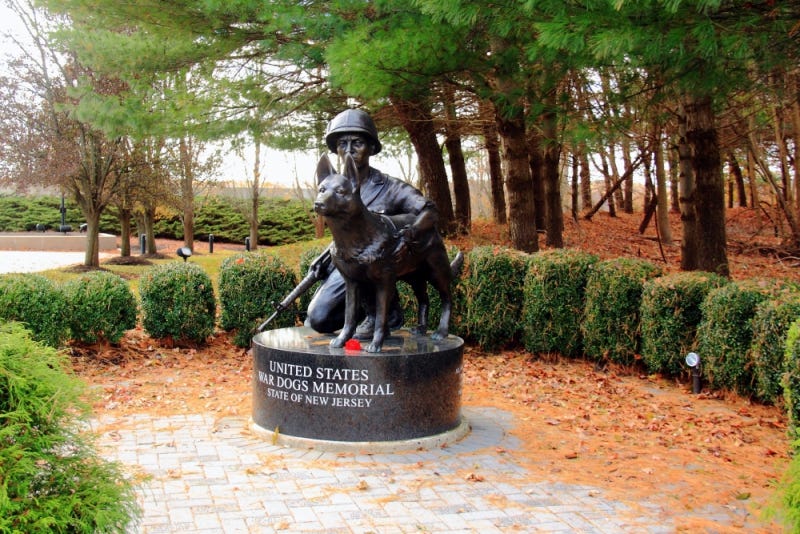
321 321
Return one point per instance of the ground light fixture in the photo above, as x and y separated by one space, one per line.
693 361
184 252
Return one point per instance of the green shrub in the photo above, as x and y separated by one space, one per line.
36 302
789 491
281 221
177 302
101 306
770 325
19 214
670 315
488 304
611 327
51 478
554 300
726 331
250 284
791 380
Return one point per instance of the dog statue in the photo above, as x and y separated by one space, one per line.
363 251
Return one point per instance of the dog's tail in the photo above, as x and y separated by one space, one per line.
457 264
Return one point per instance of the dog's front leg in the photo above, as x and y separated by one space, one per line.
350 315
384 292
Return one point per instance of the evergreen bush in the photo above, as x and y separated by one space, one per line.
101 307
250 284
791 382
51 478
281 221
36 302
670 315
177 302
789 489
726 331
554 300
611 327
488 304
771 323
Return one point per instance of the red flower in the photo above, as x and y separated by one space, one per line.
352 344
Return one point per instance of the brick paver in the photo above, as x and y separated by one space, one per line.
207 475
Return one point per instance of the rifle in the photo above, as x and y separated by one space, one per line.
316 271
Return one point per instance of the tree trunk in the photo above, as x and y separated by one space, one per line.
574 187
755 199
796 133
536 160
586 178
125 217
417 121
92 256
689 244
674 184
662 209
783 207
627 186
255 188
521 220
649 186
738 179
554 222
495 165
458 169
701 134
783 153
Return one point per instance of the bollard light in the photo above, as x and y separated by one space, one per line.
184 252
693 361
247 244
210 243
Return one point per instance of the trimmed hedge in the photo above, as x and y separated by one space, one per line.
611 327
52 478
488 304
178 302
249 286
789 491
726 332
670 315
554 300
36 302
101 306
766 355
791 381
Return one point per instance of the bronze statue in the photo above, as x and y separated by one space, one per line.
371 252
353 132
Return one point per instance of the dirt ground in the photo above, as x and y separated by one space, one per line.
631 434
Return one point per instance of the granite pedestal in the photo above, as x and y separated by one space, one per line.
306 393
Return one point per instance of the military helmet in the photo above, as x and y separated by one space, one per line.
351 121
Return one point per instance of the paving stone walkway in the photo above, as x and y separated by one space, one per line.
206 475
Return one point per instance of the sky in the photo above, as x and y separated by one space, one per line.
277 167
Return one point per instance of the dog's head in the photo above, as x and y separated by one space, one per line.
337 194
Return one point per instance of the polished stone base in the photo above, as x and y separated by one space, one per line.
304 389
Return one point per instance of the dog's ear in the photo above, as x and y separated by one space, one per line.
351 171
324 168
